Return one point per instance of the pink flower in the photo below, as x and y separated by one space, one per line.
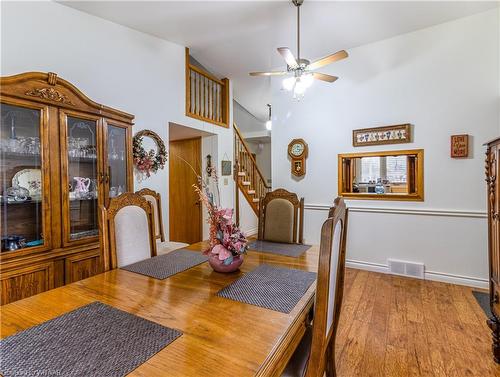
224 253
217 249
227 213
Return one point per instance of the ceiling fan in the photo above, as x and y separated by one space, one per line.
301 71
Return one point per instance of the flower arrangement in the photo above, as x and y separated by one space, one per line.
152 161
226 240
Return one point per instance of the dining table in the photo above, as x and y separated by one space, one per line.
220 337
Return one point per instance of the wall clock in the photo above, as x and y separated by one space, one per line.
298 150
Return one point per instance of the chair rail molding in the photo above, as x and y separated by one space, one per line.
404 211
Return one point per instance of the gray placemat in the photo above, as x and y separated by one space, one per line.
287 249
164 266
93 340
274 288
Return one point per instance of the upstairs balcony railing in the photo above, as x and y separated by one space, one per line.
207 97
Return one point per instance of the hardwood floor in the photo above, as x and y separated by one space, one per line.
396 326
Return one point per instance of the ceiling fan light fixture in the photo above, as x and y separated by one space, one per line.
269 123
307 79
288 83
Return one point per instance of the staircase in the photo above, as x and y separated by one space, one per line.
247 175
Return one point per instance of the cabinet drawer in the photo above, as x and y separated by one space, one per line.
24 282
83 265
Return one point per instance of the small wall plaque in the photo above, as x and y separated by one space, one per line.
397 134
459 146
226 167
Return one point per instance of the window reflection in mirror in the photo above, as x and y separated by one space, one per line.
393 175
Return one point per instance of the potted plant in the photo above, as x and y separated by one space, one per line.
227 243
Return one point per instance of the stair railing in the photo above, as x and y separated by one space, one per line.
248 177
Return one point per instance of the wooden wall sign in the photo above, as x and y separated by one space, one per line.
459 146
397 134
298 150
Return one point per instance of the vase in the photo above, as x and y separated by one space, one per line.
219 266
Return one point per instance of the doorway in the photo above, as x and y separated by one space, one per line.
185 215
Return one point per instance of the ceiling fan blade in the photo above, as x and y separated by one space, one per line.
288 56
324 77
275 73
339 55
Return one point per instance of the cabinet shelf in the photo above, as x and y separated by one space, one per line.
20 156
19 203
87 160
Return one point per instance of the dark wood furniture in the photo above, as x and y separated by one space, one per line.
493 192
315 355
75 154
297 213
188 302
132 234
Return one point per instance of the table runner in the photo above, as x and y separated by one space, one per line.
164 266
274 288
93 340
287 249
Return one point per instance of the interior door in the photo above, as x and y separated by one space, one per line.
185 209
81 176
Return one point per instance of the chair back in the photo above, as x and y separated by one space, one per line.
329 292
127 231
281 216
154 198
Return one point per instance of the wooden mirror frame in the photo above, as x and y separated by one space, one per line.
415 177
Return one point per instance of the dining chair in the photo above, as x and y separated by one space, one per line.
162 246
127 230
315 354
281 217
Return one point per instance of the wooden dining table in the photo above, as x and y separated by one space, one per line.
220 337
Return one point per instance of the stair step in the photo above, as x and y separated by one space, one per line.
246 183
255 200
251 192
241 174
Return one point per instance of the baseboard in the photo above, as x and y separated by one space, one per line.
250 232
429 275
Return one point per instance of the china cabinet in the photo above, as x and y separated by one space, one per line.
61 156
493 193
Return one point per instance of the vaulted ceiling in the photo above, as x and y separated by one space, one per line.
234 38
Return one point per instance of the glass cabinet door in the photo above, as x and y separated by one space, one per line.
81 176
117 160
21 179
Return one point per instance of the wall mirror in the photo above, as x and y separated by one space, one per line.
390 175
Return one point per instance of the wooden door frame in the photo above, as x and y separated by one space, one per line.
200 207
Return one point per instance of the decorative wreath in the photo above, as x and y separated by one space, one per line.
151 161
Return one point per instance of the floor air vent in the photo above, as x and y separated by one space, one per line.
397 267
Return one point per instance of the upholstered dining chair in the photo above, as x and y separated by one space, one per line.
281 217
315 355
127 230
162 246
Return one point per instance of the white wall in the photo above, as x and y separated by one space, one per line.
262 157
248 219
113 65
246 121
443 80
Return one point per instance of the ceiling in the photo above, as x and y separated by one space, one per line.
233 38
